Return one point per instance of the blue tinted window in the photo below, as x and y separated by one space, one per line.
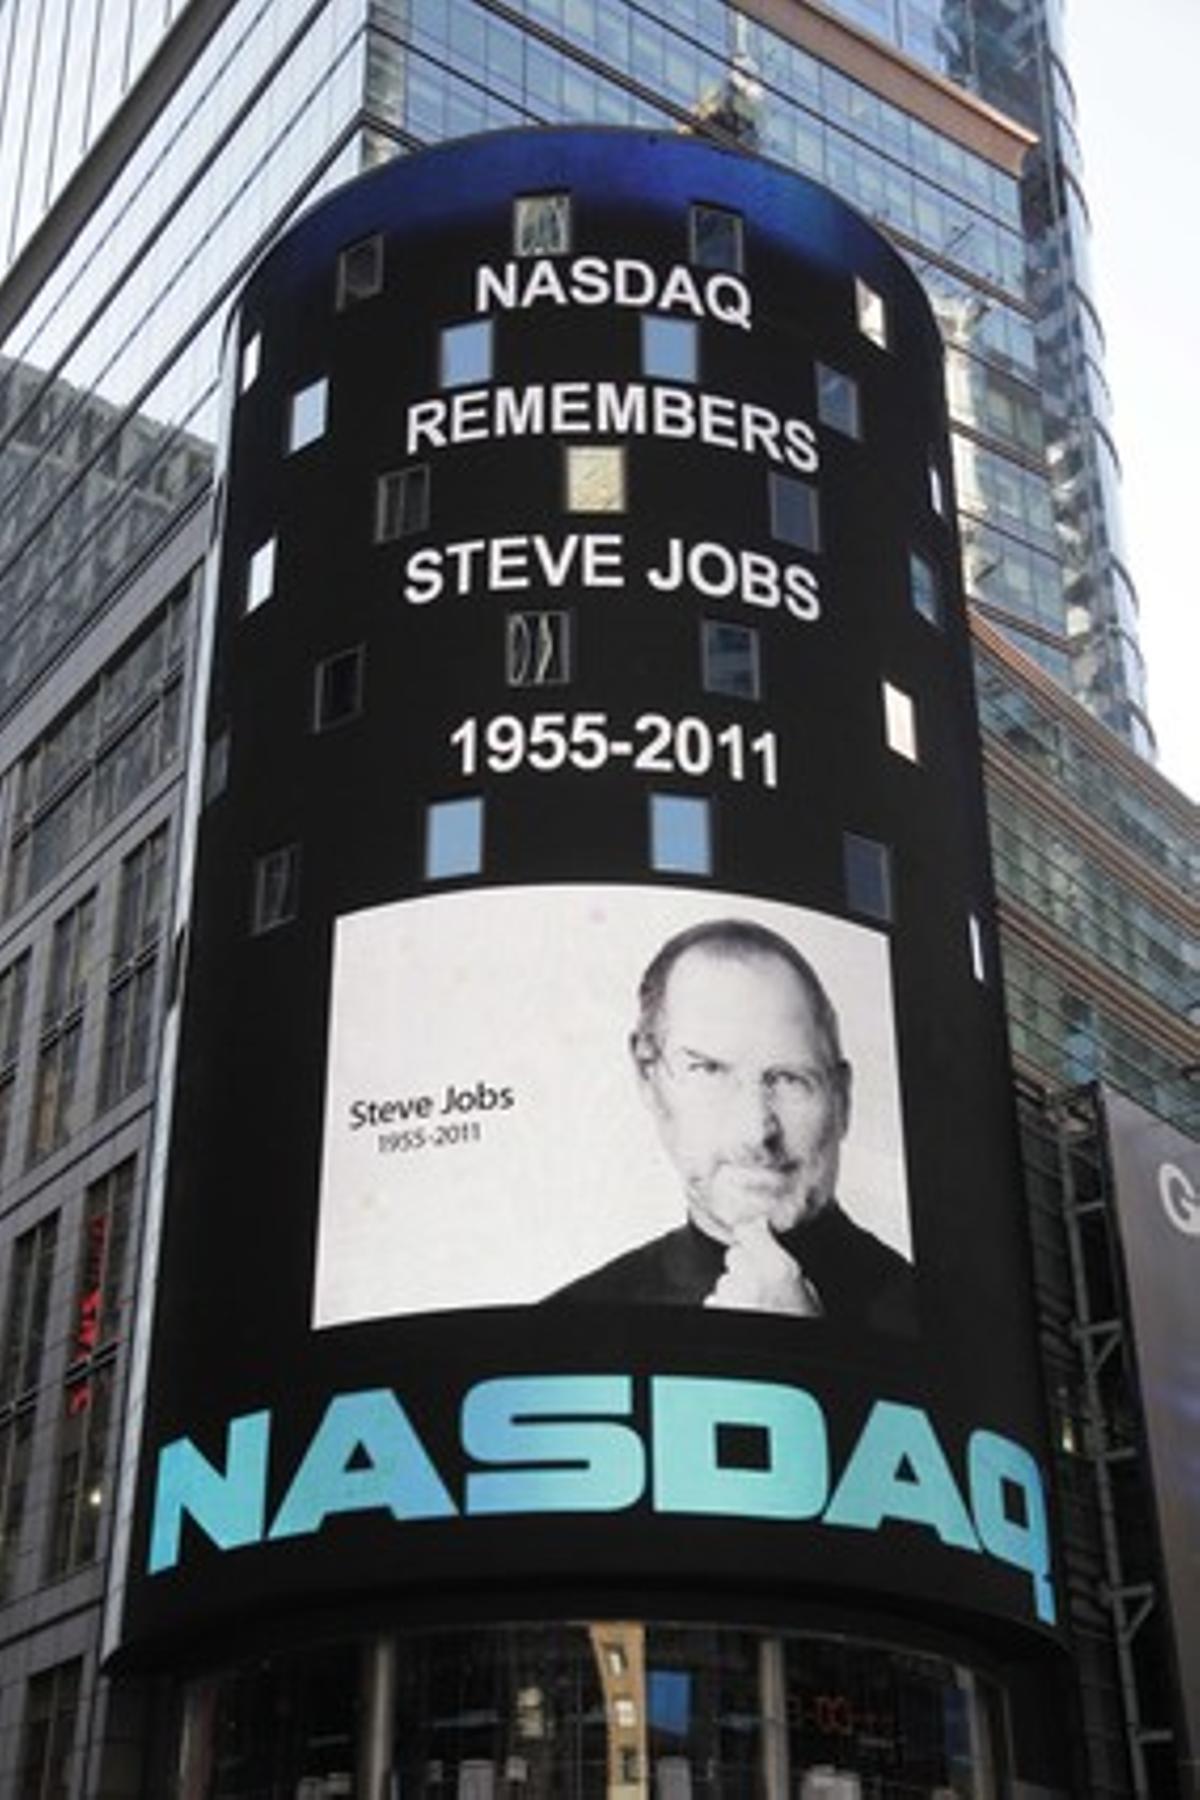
716 236
453 839
680 834
868 869
730 657
795 515
837 401
467 354
670 348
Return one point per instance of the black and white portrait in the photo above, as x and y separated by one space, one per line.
737 1054
610 1094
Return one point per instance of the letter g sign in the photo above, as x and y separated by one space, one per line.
1181 1202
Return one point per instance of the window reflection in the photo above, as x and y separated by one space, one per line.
617 1709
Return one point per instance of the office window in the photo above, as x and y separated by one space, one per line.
251 361
308 414
81 1480
730 659
466 354
680 834
595 478
542 224
871 313
837 401
98 1316
923 588
670 348
260 575
48 1733
795 512
401 503
359 271
100 755
30 1274
276 897
70 962
537 649
8 1090
128 1034
868 871
899 722
453 838
16 1440
128 1025
141 899
82 1475
14 983
338 688
717 239
54 1115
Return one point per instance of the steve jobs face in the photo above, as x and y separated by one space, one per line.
749 1094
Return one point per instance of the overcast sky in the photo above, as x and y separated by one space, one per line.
1134 64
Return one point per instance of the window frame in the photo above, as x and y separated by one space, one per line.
664 858
708 627
466 332
780 488
576 477
323 719
457 866
302 431
823 373
410 518
700 209
349 293
265 919
564 198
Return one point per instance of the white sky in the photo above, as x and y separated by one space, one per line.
1134 64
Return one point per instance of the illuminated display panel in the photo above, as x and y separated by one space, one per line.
594 1162
1156 1180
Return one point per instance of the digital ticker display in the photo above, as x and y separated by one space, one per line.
591 1155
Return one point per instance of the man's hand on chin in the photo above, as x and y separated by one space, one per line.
761 1277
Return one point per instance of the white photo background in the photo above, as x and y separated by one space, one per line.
532 992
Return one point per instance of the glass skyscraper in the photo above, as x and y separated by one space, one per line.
150 151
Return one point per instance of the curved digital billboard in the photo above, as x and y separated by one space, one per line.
591 1158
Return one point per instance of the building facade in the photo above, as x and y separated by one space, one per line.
155 153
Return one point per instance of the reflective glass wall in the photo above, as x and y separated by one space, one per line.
438 68
64 69
613 1709
108 379
1011 52
1095 859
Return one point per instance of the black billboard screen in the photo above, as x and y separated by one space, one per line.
1156 1180
591 1156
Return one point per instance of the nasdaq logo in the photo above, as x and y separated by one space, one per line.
566 1444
